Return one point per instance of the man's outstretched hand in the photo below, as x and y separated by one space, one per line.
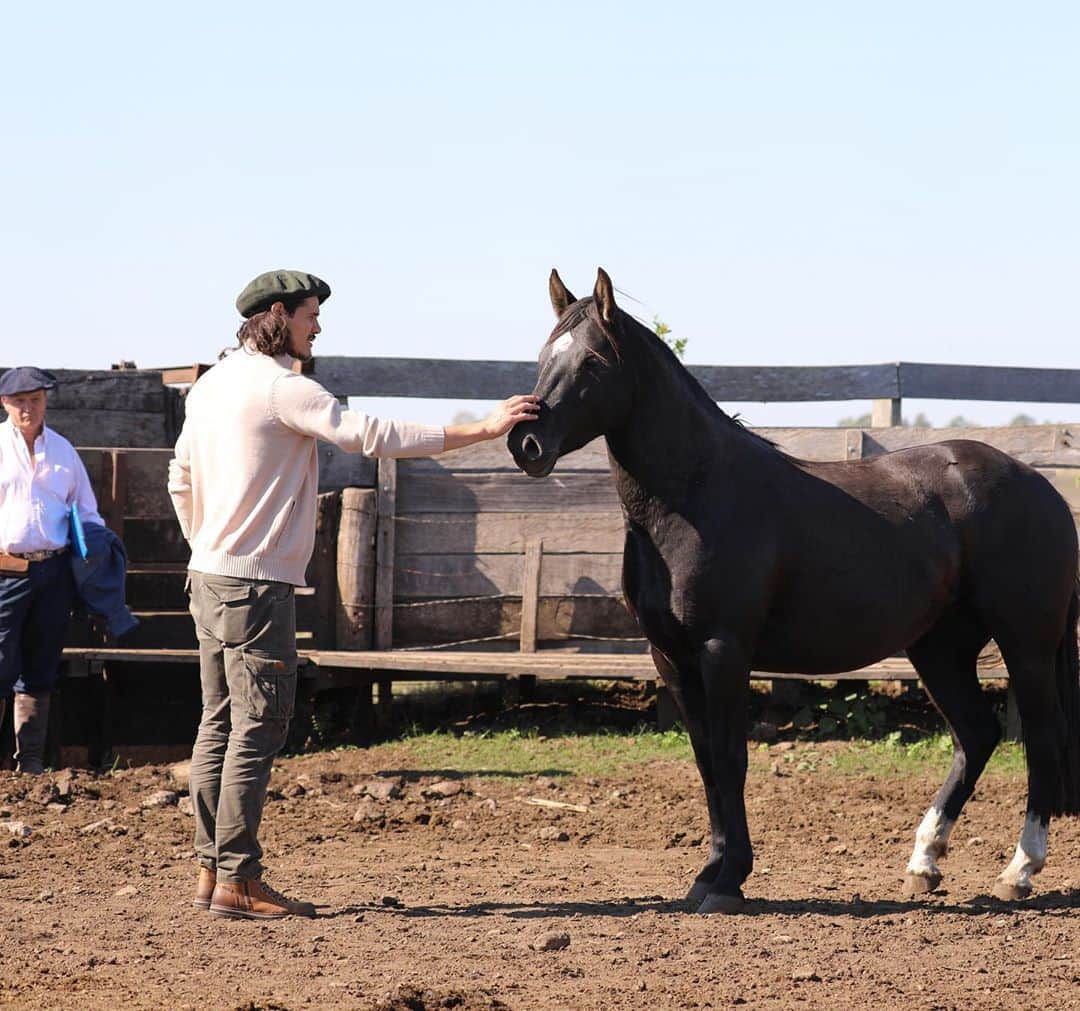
523 407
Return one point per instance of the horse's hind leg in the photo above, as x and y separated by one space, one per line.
1033 682
946 661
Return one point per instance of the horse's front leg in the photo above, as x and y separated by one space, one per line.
725 676
687 692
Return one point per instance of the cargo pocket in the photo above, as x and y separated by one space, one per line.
271 686
227 605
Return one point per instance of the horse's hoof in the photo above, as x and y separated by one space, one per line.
697 893
1008 892
716 903
920 884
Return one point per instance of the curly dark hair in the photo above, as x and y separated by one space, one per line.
268 333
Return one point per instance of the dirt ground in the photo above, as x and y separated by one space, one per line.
461 893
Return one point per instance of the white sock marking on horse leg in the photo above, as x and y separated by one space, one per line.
931 843
1030 854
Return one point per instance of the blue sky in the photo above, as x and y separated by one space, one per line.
784 182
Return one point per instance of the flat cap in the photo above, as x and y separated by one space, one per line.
275 285
25 379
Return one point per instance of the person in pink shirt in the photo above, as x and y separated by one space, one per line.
243 482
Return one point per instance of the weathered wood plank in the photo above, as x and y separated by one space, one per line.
423 377
457 493
495 380
493 456
798 383
558 618
427 576
163 630
989 382
147 477
155 540
108 390
544 664
1037 445
495 533
338 469
1046 445
156 589
121 429
558 664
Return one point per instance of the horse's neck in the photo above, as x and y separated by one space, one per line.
659 453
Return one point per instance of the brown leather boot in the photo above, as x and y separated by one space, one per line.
31 718
255 900
204 888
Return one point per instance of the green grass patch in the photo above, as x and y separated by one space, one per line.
515 753
892 757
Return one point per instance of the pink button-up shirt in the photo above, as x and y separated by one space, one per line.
36 492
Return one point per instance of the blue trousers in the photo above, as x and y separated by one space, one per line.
35 607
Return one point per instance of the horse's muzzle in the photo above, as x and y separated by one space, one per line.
528 452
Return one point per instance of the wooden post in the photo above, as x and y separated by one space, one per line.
99 716
787 692
384 554
322 573
356 568
885 413
530 594
515 688
384 577
667 713
114 501
1014 731
853 444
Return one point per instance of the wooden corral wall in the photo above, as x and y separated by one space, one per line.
462 524
457 557
117 408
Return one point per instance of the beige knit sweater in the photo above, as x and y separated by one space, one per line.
245 473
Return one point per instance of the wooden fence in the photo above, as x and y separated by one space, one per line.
457 565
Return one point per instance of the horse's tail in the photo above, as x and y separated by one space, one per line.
1068 688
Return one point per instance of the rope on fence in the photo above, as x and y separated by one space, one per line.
431 647
488 596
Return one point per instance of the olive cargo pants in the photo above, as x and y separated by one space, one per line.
247 660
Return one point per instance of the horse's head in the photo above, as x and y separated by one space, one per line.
583 386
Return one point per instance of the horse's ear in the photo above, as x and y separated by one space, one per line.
604 296
560 294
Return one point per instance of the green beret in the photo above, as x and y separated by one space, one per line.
276 285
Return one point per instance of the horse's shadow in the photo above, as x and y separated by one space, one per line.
979 905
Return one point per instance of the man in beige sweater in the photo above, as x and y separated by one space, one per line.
243 483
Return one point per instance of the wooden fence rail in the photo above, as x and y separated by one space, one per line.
493 380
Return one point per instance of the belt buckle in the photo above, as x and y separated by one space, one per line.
40 556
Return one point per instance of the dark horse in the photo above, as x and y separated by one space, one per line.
739 557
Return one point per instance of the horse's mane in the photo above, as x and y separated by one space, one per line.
585 308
